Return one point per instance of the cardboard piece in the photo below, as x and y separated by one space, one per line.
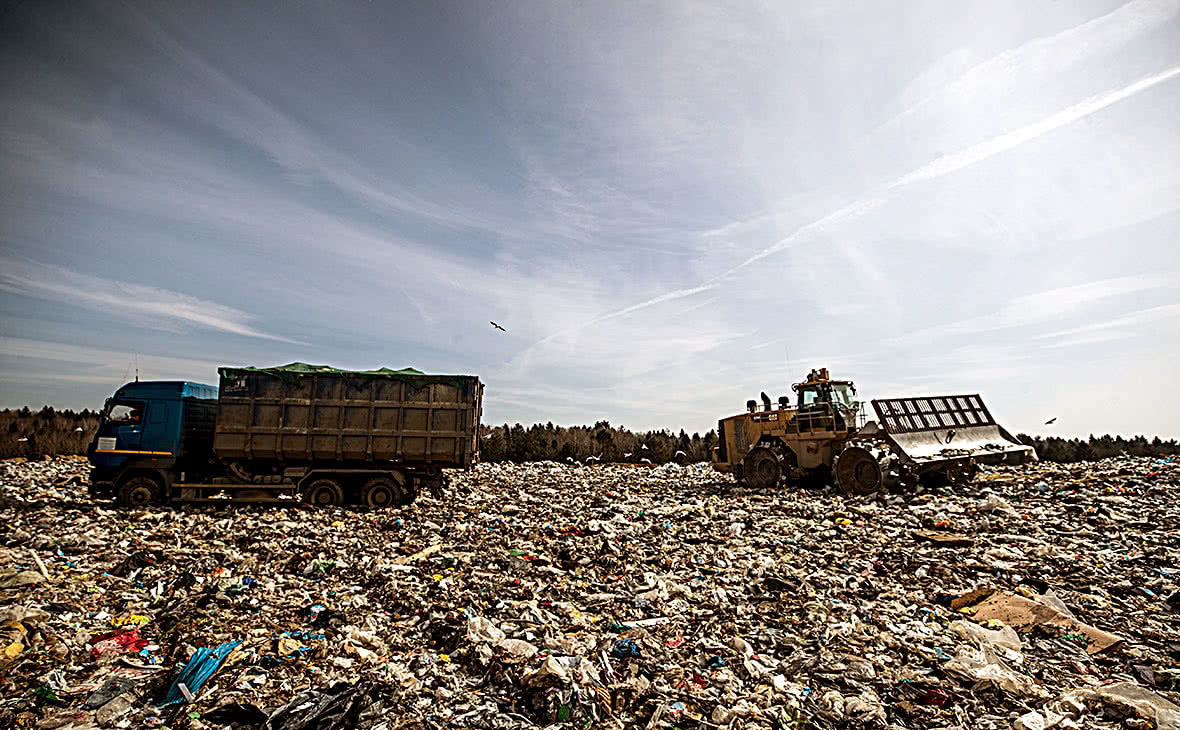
1025 613
944 539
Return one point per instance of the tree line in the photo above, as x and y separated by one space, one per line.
47 432
1072 450
600 442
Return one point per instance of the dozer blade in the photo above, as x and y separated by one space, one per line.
936 433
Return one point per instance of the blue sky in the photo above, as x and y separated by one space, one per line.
669 206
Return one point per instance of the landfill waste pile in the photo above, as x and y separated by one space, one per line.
544 594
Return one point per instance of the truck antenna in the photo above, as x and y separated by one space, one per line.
137 367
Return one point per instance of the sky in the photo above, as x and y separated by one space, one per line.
669 206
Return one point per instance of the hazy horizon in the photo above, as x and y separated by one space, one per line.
670 207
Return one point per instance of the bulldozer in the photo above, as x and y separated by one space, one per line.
823 436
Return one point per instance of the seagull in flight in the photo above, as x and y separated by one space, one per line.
497 326
1051 421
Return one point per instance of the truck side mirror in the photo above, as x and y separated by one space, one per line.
751 405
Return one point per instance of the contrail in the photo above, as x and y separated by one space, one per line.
678 294
1058 52
939 168
1008 140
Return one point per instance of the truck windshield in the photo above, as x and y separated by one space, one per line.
128 412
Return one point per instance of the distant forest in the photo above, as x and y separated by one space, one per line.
1098 447
48 432
611 443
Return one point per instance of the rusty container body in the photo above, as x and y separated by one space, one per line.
347 418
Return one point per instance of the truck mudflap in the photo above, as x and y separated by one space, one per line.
937 433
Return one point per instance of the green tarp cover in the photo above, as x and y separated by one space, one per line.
293 371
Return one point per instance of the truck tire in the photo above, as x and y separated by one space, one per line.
858 471
382 492
762 468
324 493
139 491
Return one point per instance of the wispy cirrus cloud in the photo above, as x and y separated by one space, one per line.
1132 322
931 171
1047 306
150 306
98 365
1050 55
669 200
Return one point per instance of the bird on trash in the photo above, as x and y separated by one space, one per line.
497 326
1051 421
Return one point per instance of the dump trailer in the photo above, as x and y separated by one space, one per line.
821 435
288 433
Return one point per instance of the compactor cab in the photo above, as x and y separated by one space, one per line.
822 436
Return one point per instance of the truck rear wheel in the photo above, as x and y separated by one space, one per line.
324 493
139 492
382 492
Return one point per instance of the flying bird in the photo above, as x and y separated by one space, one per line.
498 326
78 429
1051 421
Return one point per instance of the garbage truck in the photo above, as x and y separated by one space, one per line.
294 432
822 434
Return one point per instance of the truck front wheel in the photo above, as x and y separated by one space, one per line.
139 492
324 493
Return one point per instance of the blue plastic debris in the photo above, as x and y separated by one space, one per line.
625 649
303 635
202 665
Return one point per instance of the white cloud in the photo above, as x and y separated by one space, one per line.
1016 137
100 366
1045 306
665 200
1053 55
1131 323
151 306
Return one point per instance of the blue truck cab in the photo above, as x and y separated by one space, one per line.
150 433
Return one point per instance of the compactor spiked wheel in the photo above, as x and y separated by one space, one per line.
763 468
858 471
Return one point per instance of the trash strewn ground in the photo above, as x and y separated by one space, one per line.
608 596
